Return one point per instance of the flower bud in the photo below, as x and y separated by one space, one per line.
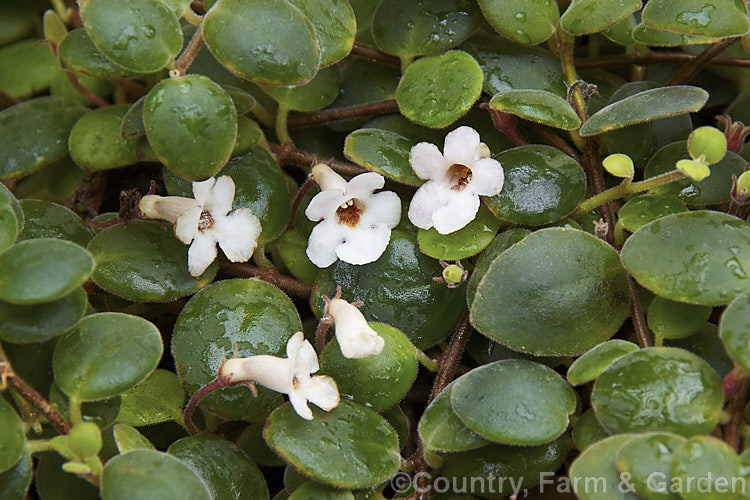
693 169
85 440
743 184
326 178
167 208
709 142
619 165
453 274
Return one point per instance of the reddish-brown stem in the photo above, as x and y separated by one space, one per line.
8 99
593 168
505 123
287 154
636 314
271 275
452 356
216 384
654 58
95 99
735 391
320 333
694 66
344 113
553 139
298 199
375 55
188 55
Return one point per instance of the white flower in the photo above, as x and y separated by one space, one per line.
455 179
206 221
355 337
290 375
356 222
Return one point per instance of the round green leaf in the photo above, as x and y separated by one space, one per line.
316 94
44 219
710 463
141 35
334 25
583 17
647 459
26 68
589 366
23 151
435 91
11 435
719 18
674 320
645 106
537 106
696 257
227 470
349 447
236 32
378 381
143 262
106 354
649 35
542 185
658 389
501 243
15 482
78 53
516 402
316 491
157 399
56 182
594 473
95 142
11 218
103 412
42 270
384 152
528 22
128 439
621 32
467 241
150 475
292 247
251 441
408 29
641 210
562 292
39 322
397 290
191 124
587 430
705 344
132 121
734 330
255 315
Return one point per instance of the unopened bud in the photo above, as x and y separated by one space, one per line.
453 274
709 142
619 165
85 440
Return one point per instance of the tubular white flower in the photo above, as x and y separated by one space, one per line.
290 375
355 222
455 179
355 337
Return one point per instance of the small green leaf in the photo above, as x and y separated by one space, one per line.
587 430
334 25
649 35
641 210
583 17
11 218
675 320
132 121
26 68
39 322
251 441
12 434
719 18
598 462
649 455
95 142
292 246
44 219
106 354
621 32
15 482
467 241
435 91
322 449
384 152
537 106
711 463
528 22
157 399
591 364
316 94
733 329
78 53
128 439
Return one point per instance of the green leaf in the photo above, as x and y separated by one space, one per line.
323 449
148 474
141 35
128 439
292 247
106 354
56 182
501 243
378 381
255 315
316 94
658 389
645 106
584 17
15 482
711 463
528 22
649 35
39 322
157 399
42 270
467 241
26 68
719 18
44 219
236 32
95 142
705 344
384 152
696 257
316 491
733 329
675 320
251 441
589 366
647 456
598 462
515 402
621 32
537 106
143 262
52 483
11 218
13 436
397 290
542 185
22 151
191 124
78 53
103 412
587 430
227 470
408 29
334 25
435 91
643 209
563 291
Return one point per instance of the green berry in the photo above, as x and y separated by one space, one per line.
709 142
743 184
85 440
619 165
453 274
693 169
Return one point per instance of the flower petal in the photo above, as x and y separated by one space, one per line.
222 196
382 208
186 225
460 209
364 244
304 358
238 234
429 197
321 390
363 185
427 161
201 254
355 336
299 403
487 177
326 178
460 146
325 237
202 190
325 204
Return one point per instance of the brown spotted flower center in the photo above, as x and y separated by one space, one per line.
459 176
205 222
349 213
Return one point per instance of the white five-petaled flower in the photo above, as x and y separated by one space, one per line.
290 375
455 179
356 222
355 337
206 221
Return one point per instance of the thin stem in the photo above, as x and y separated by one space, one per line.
282 131
204 391
636 314
262 114
623 190
426 361
452 356
191 17
505 123
38 445
76 415
320 332
736 398
287 154
298 199
654 58
553 139
375 55
285 283
188 55
695 65
405 62
344 113
260 258
95 99
567 47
